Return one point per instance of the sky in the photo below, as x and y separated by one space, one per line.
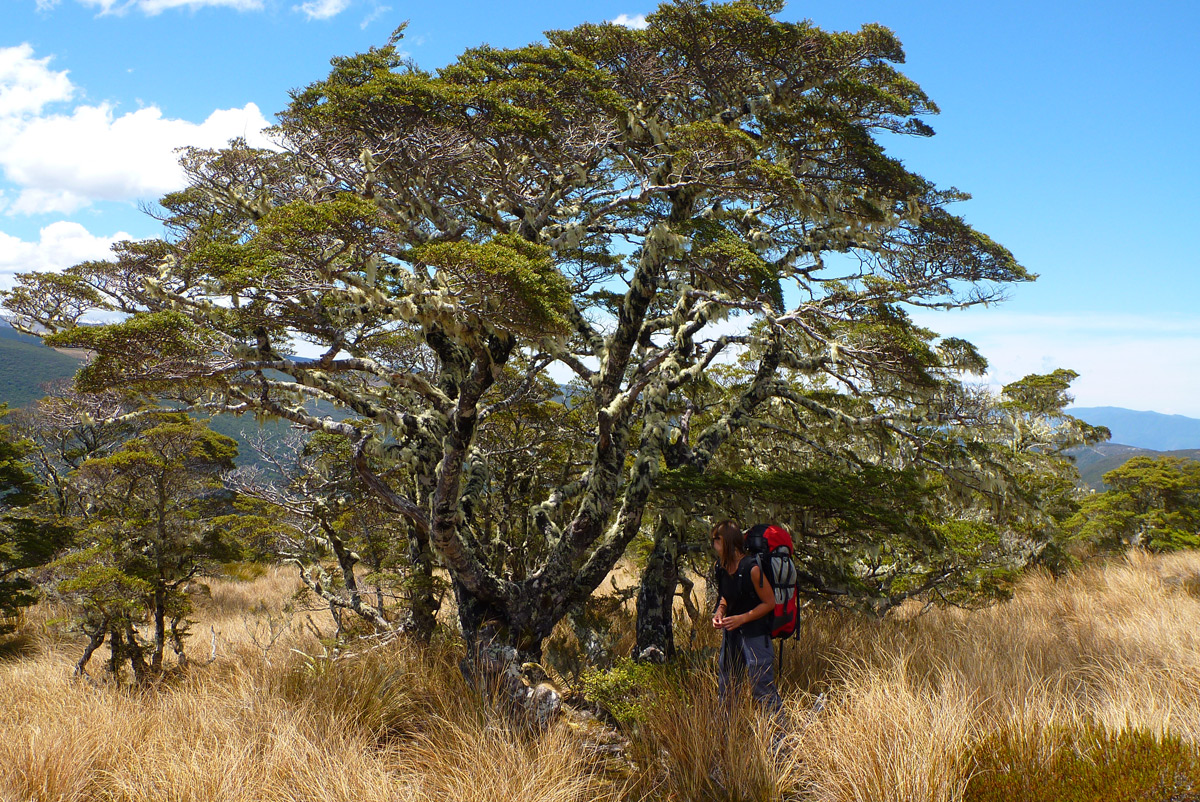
1071 123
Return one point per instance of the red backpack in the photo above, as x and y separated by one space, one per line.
772 546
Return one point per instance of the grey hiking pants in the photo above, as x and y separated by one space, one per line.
749 659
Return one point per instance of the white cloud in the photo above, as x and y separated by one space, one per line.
637 21
378 12
43 201
1131 361
153 7
322 9
59 246
27 84
63 162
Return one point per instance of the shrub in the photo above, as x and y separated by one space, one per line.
627 690
1088 764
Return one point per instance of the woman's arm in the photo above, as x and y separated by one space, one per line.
766 602
719 615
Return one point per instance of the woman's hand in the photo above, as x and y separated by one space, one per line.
732 622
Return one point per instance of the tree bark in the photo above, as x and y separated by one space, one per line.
423 603
160 582
134 652
116 649
501 661
656 597
346 562
160 623
95 640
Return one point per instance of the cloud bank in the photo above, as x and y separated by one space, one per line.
62 162
59 246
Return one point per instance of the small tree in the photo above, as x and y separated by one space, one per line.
65 428
27 539
146 537
311 506
1150 503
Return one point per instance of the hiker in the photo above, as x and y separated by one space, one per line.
743 613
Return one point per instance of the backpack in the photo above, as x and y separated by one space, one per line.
772 546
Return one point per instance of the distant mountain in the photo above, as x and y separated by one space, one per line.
26 364
1152 430
1093 462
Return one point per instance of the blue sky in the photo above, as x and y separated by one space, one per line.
1071 123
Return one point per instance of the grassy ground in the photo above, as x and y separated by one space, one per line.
1070 677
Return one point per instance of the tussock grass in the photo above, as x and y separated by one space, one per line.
268 722
910 703
690 745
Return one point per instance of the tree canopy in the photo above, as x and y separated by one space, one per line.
1151 503
591 228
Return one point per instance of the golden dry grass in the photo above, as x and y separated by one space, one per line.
267 721
907 697
1114 644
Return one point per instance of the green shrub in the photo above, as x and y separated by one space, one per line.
1083 765
627 690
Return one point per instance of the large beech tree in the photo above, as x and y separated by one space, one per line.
626 208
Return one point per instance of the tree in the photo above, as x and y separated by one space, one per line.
65 428
598 204
27 540
1151 503
312 506
949 512
145 538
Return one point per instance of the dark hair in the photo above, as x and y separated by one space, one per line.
732 540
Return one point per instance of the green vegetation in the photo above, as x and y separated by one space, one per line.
1083 764
1151 503
144 532
28 539
26 365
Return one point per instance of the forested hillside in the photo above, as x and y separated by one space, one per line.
26 364
1094 461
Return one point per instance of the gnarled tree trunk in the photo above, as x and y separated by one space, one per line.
656 596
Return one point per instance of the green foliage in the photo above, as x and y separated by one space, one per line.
1151 503
873 533
509 280
1089 764
27 540
125 349
147 531
629 690
25 365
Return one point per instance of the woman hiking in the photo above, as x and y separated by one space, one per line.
744 615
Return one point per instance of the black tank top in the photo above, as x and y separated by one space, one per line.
741 597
